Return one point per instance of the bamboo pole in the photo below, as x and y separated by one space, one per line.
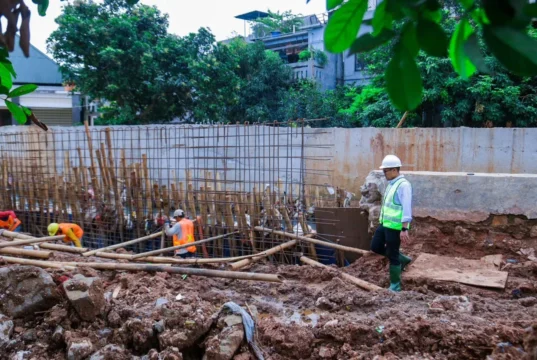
172 248
359 282
82 169
240 264
24 252
93 170
174 260
151 268
30 241
149 203
38 263
314 241
121 245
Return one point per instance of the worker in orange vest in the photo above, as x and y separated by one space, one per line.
73 233
9 220
183 233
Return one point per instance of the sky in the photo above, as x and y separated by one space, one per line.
186 16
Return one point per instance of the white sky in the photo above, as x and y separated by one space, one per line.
186 16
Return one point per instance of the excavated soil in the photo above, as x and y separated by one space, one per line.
314 314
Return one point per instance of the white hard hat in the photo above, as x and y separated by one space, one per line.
391 161
178 213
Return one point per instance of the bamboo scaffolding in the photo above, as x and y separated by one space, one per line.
243 263
124 244
30 241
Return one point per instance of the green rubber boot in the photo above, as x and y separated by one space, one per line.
404 260
395 277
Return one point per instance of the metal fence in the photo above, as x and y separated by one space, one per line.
121 183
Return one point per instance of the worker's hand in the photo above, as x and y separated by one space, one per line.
405 238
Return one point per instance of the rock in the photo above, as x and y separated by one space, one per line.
499 220
6 330
86 295
225 344
25 290
324 304
138 334
452 303
114 319
331 323
111 352
79 349
29 335
327 353
159 326
20 355
530 343
58 335
242 356
528 301
463 236
172 353
533 231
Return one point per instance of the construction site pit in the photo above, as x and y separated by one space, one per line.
314 313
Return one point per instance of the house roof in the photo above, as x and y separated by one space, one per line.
38 69
252 15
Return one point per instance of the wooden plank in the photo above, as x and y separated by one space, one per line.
464 271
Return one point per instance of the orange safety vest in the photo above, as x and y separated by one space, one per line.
10 224
187 235
77 230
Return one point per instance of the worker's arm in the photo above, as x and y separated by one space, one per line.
404 193
174 230
71 235
16 223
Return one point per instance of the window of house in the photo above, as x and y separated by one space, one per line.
359 64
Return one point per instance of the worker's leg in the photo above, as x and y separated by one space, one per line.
378 243
393 243
404 260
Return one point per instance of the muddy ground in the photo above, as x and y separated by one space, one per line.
314 314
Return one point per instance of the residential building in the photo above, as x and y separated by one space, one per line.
332 70
52 103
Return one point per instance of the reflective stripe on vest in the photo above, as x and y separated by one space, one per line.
391 214
187 236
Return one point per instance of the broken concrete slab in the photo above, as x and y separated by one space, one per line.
25 290
79 349
111 352
86 295
225 344
6 330
452 303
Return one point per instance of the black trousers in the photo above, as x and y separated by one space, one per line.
387 242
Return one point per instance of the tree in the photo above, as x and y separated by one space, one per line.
285 22
263 80
305 100
503 23
499 98
125 56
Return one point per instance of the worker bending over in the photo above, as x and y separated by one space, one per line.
9 221
182 232
73 233
395 218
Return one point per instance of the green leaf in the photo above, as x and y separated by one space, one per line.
369 42
499 12
432 38
472 50
17 112
435 15
531 10
343 25
9 67
467 4
42 7
462 65
513 48
332 4
381 19
23 90
409 39
403 81
5 76
4 90
132 2
27 111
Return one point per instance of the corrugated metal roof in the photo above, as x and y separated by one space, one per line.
37 69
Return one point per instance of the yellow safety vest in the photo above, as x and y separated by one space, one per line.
391 214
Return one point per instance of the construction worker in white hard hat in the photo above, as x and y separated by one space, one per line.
395 218
182 232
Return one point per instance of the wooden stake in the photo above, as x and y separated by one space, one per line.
361 283
240 264
29 241
124 244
